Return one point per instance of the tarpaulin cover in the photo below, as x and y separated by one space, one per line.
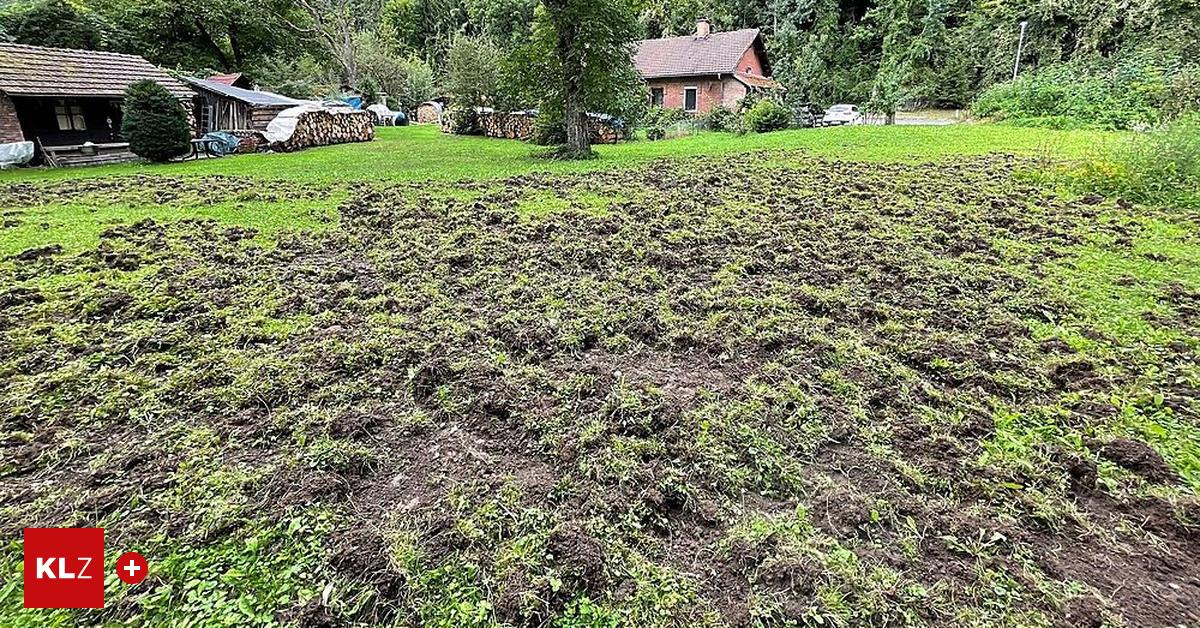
221 143
284 125
15 154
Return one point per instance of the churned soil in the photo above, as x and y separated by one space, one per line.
806 392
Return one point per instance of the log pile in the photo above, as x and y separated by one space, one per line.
516 125
249 141
606 129
306 126
520 125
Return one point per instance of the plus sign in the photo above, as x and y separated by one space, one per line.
131 568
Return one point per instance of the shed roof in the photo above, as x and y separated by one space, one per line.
248 96
37 71
753 80
690 55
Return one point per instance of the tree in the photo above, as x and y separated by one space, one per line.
56 23
336 24
580 60
155 123
473 80
407 80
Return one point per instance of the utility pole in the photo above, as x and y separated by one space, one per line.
1020 49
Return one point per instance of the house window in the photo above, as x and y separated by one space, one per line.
69 115
689 99
656 96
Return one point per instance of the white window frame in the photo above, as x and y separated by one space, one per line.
695 90
68 114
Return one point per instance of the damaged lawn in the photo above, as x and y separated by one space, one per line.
813 394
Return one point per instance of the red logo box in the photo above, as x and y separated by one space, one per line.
64 567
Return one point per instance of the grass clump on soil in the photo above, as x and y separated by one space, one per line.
1160 167
822 392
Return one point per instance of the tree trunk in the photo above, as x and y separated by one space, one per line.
579 141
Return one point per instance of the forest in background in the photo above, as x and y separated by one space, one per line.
1086 62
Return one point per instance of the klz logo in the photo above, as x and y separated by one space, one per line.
64 568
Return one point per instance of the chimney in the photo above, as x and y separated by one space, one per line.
703 28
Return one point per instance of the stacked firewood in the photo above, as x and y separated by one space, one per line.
606 130
321 127
249 141
520 125
516 125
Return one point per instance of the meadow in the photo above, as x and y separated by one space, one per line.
846 377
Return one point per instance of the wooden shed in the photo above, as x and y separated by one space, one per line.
69 102
222 107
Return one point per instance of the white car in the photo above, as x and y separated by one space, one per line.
838 115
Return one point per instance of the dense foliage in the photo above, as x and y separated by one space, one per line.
1129 93
155 123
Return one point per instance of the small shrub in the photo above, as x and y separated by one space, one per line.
718 118
463 121
548 130
155 123
665 117
655 133
767 115
1160 167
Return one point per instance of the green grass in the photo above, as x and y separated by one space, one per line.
422 152
596 400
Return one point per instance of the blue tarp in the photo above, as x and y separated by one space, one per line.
221 143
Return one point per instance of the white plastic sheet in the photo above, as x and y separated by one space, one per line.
284 125
15 154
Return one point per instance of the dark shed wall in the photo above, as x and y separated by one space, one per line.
102 117
10 125
229 114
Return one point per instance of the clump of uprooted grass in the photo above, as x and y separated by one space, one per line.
1160 167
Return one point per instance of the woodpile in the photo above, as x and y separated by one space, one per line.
249 141
521 125
516 125
310 125
606 129
430 112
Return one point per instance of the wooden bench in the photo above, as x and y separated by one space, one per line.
87 154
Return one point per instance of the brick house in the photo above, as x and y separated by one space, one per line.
700 71
62 99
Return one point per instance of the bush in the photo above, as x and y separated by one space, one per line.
155 123
655 133
1123 94
549 131
719 118
461 120
1161 167
665 117
767 115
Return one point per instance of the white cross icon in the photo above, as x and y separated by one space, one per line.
132 568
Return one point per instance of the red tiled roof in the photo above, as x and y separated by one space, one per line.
225 79
37 71
690 55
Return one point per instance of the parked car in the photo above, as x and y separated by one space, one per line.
808 115
838 115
